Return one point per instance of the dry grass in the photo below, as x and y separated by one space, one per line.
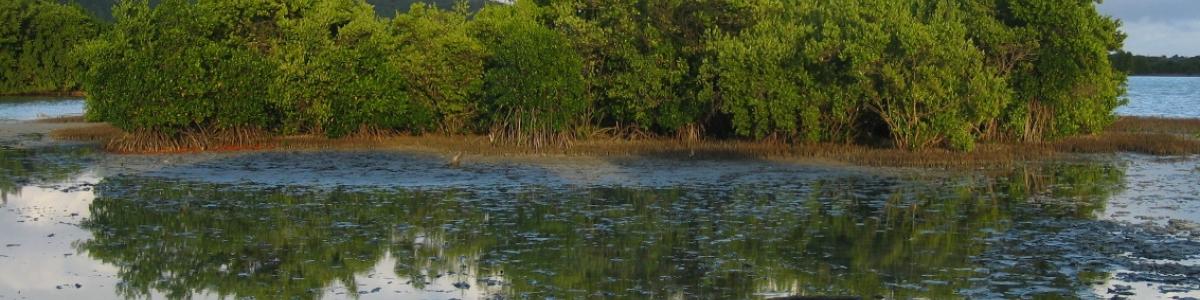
987 155
92 133
1140 135
191 141
1145 143
1188 127
115 140
1146 135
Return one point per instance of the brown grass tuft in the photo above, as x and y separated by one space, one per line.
1140 135
502 136
667 147
1146 135
99 132
1145 143
190 141
1188 127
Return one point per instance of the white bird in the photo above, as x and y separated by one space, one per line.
455 161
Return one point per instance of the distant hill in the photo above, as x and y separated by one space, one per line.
387 8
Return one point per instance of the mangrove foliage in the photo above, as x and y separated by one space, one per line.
913 74
36 40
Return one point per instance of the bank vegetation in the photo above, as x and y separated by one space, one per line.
1150 136
941 75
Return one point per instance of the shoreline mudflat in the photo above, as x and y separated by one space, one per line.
1154 136
29 134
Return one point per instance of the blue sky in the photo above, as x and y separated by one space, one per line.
1158 27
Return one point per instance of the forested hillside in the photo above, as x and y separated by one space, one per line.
913 73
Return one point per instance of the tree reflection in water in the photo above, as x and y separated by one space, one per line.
868 236
24 167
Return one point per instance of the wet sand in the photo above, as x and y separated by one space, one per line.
29 134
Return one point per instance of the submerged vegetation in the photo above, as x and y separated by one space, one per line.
913 74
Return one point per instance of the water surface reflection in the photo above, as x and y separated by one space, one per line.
856 235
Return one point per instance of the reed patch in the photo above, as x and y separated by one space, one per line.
99 132
1138 135
1186 127
1145 143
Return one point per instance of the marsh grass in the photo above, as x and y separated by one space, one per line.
508 137
1145 143
1139 135
99 132
115 140
1187 127
238 139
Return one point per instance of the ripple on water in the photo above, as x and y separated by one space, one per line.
1034 231
31 108
1174 97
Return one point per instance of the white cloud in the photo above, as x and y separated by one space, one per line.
1158 27
1147 37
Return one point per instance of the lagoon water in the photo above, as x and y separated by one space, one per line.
1172 97
79 224
14 109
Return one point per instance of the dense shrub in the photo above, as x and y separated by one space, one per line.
159 69
915 74
338 73
633 72
36 40
442 64
1054 54
759 76
533 83
930 72
933 88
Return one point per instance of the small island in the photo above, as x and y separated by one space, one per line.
709 149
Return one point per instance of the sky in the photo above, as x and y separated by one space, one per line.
1155 27
1158 27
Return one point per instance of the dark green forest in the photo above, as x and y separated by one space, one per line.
36 38
914 74
1156 65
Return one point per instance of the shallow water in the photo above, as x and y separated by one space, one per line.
1173 97
82 225
31 108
